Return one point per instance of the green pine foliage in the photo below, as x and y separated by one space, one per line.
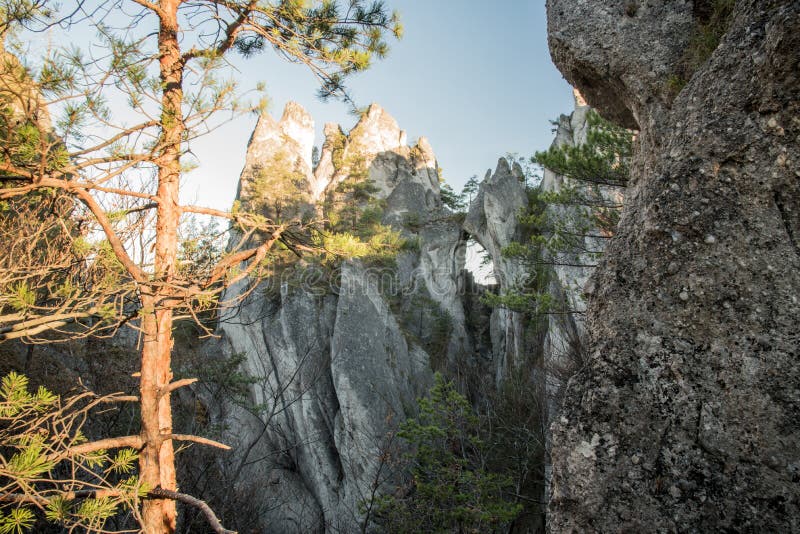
601 163
604 159
277 192
455 201
450 488
557 225
37 431
353 200
80 138
312 31
470 188
353 216
349 224
459 202
424 322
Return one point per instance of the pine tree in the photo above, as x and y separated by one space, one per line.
450 490
167 61
470 188
455 201
559 224
604 159
48 464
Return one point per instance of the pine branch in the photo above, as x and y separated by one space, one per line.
211 517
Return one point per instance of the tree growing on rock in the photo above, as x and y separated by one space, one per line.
562 226
125 112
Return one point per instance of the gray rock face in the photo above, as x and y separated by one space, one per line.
292 137
572 269
407 177
338 363
685 417
332 373
277 178
493 220
603 50
566 333
548 353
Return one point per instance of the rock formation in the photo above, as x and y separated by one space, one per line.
573 266
685 416
343 360
338 363
493 221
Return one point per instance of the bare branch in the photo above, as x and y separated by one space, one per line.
257 254
213 521
116 245
134 442
172 386
198 439
208 211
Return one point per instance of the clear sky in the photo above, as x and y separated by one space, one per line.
473 76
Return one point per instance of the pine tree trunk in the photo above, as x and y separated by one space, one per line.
157 461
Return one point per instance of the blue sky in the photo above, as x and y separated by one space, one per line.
474 77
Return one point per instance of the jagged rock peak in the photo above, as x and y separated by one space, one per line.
502 171
377 131
293 133
492 217
351 356
284 145
492 220
298 124
331 129
376 142
296 112
425 152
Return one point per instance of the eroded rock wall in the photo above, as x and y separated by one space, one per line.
338 360
550 347
685 416
338 363
493 221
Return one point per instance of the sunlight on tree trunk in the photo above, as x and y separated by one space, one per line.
102 169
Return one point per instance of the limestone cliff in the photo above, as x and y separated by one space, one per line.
685 416
493 220
339 362
335 362
548 348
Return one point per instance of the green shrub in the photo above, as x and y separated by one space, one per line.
449 490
